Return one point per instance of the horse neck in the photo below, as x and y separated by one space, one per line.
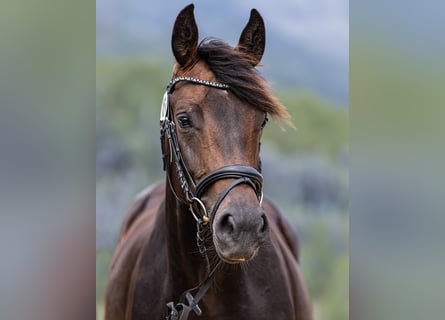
187 267
183 254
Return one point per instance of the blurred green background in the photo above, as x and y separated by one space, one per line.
305 170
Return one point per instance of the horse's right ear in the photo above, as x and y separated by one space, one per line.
185 36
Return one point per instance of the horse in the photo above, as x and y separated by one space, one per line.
205 241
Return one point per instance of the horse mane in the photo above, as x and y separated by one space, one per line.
235 68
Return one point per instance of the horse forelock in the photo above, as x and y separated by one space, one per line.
234 68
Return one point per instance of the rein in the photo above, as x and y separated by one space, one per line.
192 192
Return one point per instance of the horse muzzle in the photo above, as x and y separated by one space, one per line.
239 232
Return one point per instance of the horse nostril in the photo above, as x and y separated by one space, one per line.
264 225
227 223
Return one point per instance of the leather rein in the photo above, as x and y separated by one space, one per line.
190 192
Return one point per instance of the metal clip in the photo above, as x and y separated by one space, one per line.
192 304
172 314
164 107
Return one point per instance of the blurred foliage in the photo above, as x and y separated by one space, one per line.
103 259
129 93
325 265
320 126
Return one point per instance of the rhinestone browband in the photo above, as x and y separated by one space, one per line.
198 81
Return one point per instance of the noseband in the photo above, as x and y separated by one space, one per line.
171 155
192 192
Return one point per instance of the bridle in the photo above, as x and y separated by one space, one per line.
171 155
190 192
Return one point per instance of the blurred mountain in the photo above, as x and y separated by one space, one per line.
307 41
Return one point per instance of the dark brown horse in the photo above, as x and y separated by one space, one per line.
207 226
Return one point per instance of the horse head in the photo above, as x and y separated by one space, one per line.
218 105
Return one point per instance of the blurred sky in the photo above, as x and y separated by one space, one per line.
307 40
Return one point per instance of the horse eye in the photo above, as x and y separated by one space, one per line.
184 121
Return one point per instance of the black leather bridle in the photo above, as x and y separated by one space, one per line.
171 154
193 191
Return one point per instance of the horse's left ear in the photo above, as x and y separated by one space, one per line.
185 36
253 38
